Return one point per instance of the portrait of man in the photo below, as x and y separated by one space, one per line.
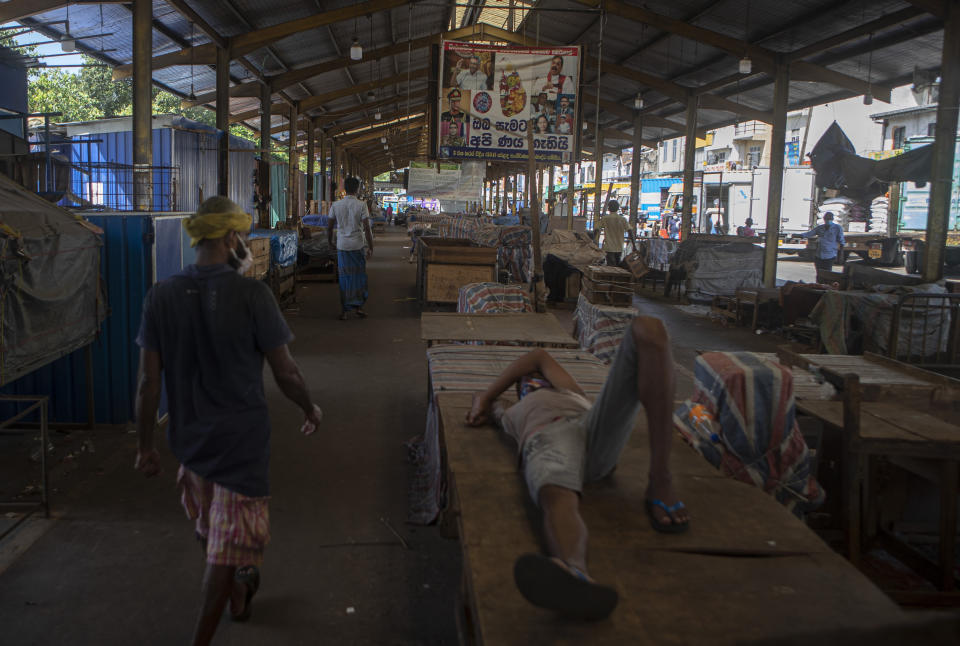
555 83
469 75
454 121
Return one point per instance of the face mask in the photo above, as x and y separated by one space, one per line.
240 258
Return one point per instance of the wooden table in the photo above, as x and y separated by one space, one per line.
743 572
880 377
889 429
527 329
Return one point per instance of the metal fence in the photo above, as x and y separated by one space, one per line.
110 185
925 331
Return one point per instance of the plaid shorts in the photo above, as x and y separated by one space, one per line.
236 528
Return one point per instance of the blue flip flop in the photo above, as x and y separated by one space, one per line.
666 528
547 584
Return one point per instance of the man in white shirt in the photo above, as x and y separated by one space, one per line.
614 226
471 78
352 220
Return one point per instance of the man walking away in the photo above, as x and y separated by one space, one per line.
352 221
207 330
613 226
831 240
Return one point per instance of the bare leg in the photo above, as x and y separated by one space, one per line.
656 386
564 529
218 588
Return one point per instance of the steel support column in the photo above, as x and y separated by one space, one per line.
944 145
223 121
310 160
778 135
635 172
324 186
571 194
142 105
689 157
598 178
293 168
266 103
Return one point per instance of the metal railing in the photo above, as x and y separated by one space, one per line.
925 330
750 128
34 405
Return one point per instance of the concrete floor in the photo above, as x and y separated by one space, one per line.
119 564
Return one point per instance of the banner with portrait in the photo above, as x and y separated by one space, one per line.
490 96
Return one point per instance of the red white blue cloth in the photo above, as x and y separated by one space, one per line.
494 298
742 419
600 328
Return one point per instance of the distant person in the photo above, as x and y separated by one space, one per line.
614 226
830 236
747 231
673 227
207 330
352 221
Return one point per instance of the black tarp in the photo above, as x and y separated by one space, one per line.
839 167
51 302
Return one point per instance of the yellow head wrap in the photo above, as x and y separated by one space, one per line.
215 218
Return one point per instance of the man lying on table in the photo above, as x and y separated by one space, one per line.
565 441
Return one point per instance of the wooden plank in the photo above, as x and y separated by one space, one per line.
870 372
443 282
492 497
525 328
889 422
677 598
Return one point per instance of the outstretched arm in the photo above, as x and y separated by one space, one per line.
290 380
538 360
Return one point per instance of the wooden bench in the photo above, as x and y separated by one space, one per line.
747 569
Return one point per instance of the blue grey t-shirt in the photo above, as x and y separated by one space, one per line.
212 327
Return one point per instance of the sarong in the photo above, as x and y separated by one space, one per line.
235 528
352 271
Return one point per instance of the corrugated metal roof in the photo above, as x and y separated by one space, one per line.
912 41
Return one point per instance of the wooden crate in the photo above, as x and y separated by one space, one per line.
443 281
260 251
456 251
608 286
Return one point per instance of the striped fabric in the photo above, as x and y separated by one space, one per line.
236 528
469 368
464 368
742 419
599 328
493 298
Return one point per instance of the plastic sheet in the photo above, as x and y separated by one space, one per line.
52 303
283 246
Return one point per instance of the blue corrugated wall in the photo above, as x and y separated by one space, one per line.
193 153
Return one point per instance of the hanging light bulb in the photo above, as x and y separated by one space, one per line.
868 98
356 51
67 43
585 125
638 101
746 65
377 115
383 140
